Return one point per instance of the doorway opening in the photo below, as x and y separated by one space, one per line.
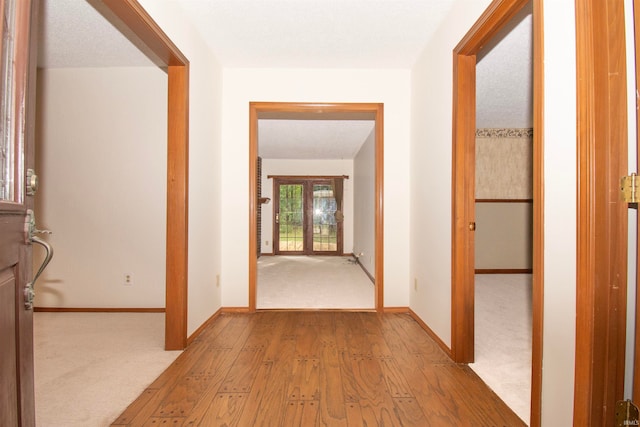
497 15
295 233
141 30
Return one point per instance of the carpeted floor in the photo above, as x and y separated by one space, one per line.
90 366
312 282
503 337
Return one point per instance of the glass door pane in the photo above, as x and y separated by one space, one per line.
325 227
8 144
291 218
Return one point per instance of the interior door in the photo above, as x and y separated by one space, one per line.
308 216
17 78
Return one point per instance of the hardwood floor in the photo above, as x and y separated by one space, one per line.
286 368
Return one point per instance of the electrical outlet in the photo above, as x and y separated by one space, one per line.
415 283
128 279
266 243
217 280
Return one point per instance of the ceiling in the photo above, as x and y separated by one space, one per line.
306 34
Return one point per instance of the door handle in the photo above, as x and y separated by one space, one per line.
277 217
29 289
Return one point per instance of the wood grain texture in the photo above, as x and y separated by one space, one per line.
636 360
602 216
286 368
538 215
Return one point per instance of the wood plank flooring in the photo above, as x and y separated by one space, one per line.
286 368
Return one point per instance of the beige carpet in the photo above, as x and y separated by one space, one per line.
503 337
312 282
90 366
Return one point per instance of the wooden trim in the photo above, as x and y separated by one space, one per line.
236 310
370 111
379 208
401 310
497 14
463 199
306 177
98 310
492 20
430 332
177 208
142 30
504 271
602 217
504 200
138 26
202 327
312 310
636 360
538 216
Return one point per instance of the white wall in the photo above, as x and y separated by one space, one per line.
364 235
431 107
306 167
205 124
242 86
431 200
101 158
560 173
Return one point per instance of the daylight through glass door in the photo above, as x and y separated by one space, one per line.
305 218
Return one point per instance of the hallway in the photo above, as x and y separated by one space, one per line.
286 368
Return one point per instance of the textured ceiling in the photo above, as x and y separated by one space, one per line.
74 34
311 34
312 139
504 76
317 34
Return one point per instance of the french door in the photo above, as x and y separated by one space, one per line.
308 216
17 185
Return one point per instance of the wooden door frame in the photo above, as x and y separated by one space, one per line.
636 361
602 216
306 182
373 111
492 20
140 28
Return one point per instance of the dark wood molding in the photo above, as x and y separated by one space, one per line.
137 25
602 218
504 271
289 110
98 310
